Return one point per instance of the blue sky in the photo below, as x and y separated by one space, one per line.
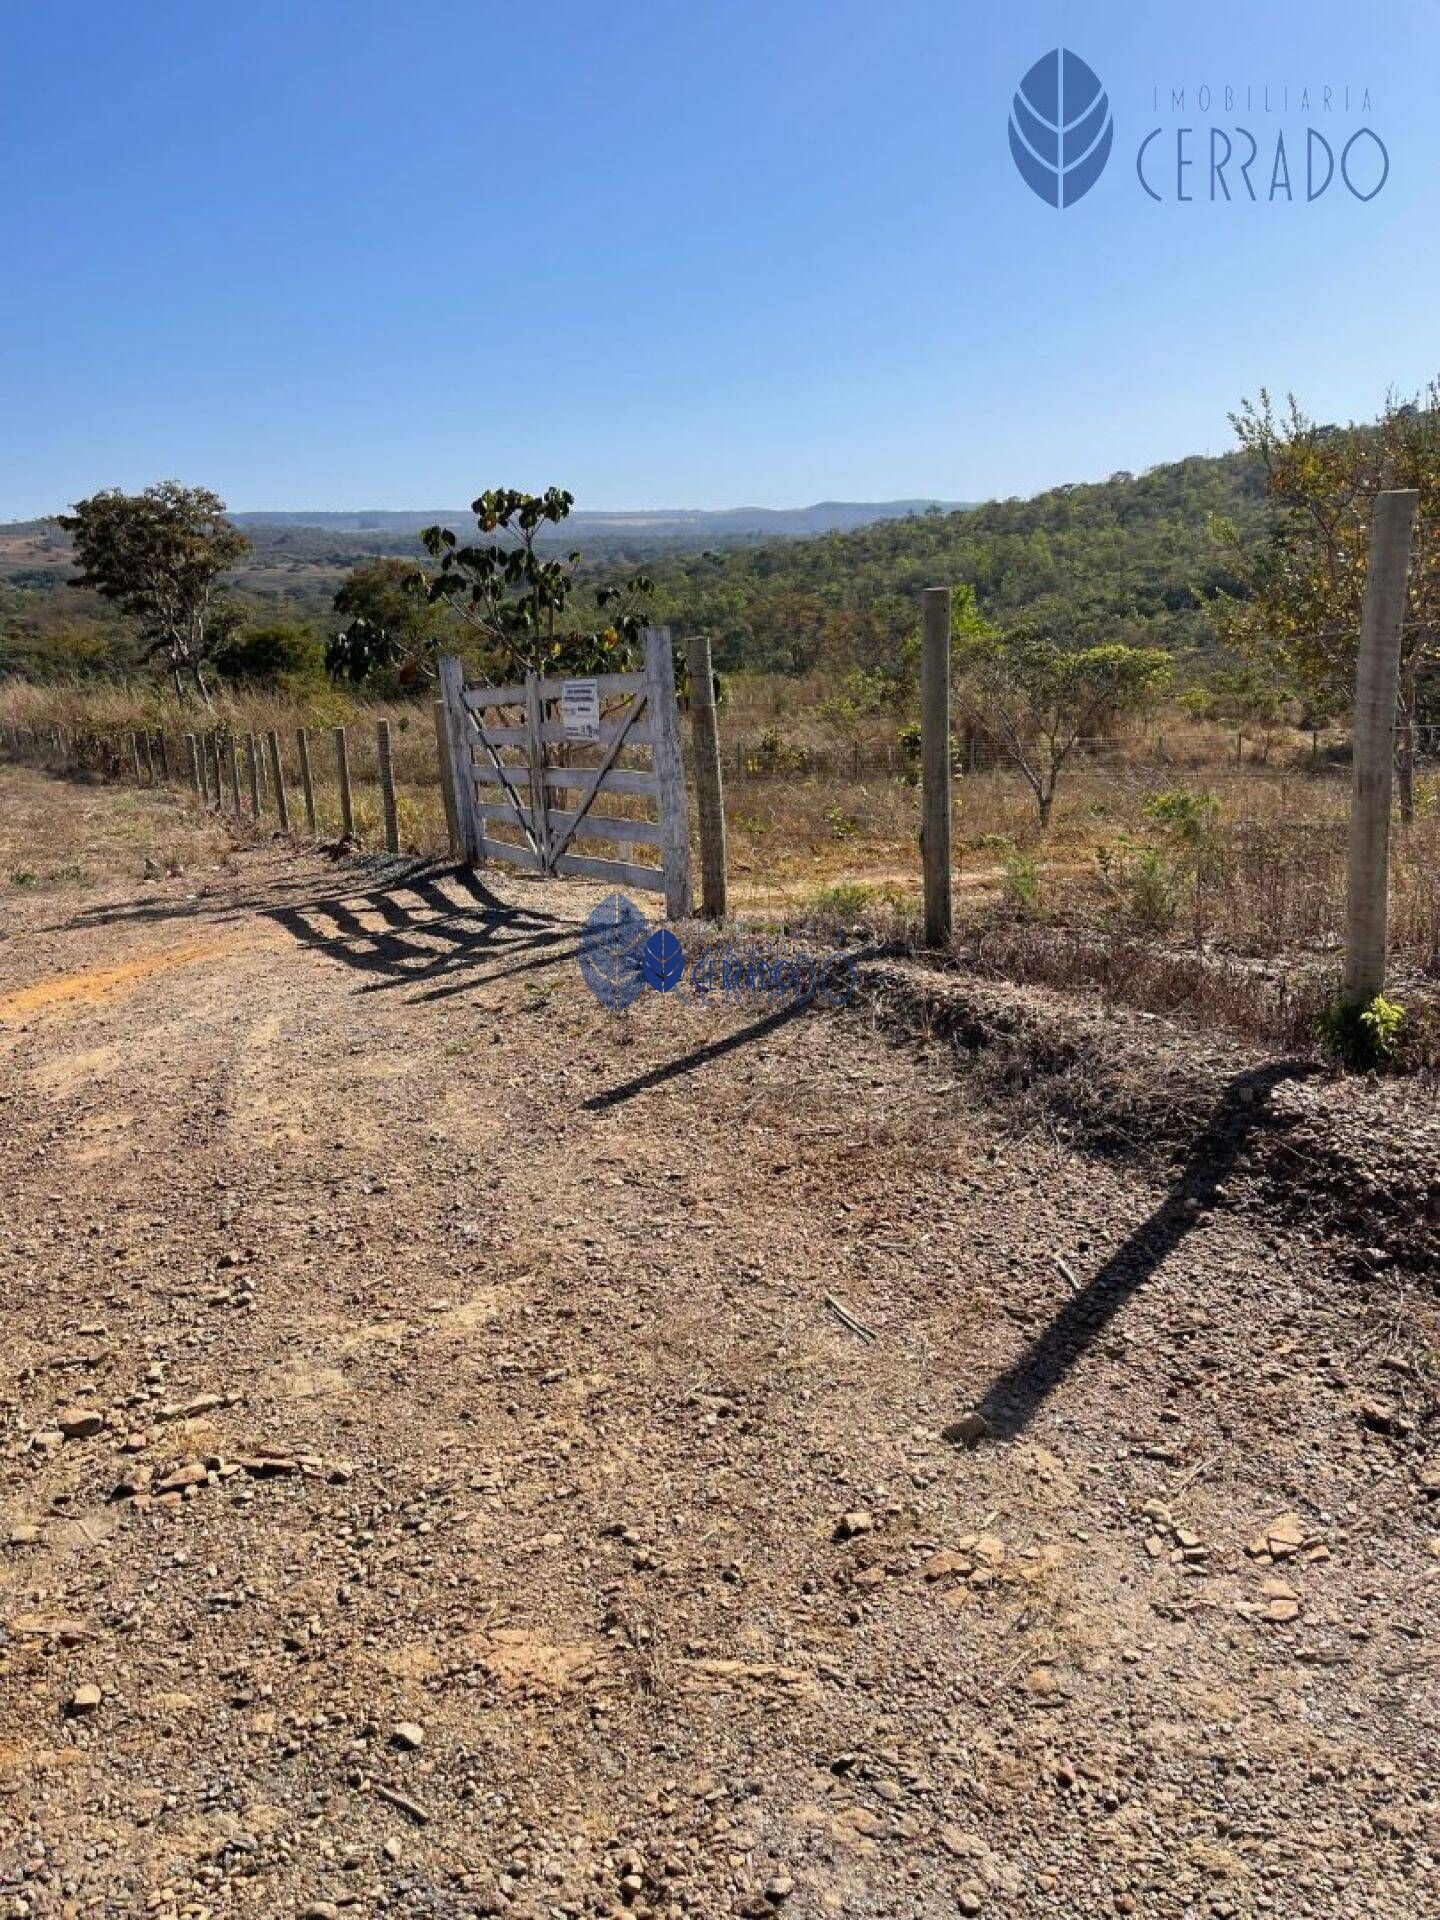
350 253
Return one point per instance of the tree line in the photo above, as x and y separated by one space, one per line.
1243 574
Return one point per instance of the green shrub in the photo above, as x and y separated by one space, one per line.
1145 884
864 692
845 897
776 754
1364 1034
908 739
276 653
1020 881
1188 818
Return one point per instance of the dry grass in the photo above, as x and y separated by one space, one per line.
1238 925
100 720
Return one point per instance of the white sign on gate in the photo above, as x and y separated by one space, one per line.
580 709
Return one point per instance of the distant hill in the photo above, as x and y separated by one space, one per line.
299 558
778 589
645 523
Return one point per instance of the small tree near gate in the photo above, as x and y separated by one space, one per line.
392 628
1038 700
516 600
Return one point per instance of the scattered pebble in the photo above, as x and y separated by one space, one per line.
79 1423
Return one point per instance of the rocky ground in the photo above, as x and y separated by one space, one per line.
467 1452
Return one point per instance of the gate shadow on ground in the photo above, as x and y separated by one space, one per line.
427 938
378 876
1015 1396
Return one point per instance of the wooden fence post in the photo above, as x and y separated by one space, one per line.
385 755
192 766
447 778
232 767
164 747
457 732
277 780
307 779
709 792
252 769
1376 686
135 755
539 760
669 772
936 774
342 771
149 758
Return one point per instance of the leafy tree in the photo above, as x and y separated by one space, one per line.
274 653
1304 586
517 601
393 628
1038 699
892 685
159 556
1252 699
1138 550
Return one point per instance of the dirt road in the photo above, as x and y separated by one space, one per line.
519 1531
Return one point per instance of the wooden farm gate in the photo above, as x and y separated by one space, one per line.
529 761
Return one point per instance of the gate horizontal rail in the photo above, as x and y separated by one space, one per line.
512 747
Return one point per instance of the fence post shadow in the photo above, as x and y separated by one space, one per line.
1014 1397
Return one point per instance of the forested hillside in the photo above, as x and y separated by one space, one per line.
1132 557
1141 557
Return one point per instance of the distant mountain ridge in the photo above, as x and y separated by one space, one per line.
657 523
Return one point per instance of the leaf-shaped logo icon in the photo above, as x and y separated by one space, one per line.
612 952
664 960
1060 128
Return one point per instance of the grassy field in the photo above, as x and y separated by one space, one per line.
1169 840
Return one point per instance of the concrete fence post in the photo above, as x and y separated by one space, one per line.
935 767
1377 680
